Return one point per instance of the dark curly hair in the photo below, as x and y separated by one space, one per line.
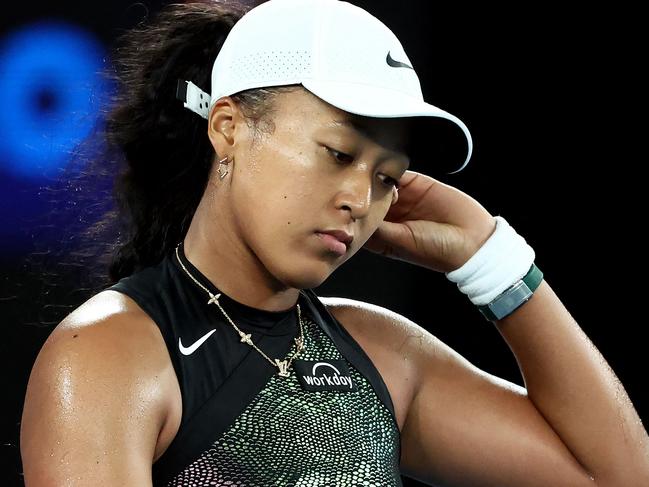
164 146
130 190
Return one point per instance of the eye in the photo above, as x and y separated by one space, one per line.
388 181
336 155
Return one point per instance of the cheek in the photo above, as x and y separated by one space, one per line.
381 210
275 196
272 213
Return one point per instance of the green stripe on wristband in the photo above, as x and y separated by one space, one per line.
512 298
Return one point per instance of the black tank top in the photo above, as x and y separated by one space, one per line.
331 422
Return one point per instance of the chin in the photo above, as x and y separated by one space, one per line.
308 275
306 281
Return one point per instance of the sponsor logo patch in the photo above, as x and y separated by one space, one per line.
324 375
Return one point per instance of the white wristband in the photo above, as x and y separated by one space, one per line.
502 260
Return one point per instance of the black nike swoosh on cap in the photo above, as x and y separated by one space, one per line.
396 64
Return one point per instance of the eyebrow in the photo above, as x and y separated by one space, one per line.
348 123
359 127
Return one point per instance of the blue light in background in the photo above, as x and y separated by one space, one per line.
50 92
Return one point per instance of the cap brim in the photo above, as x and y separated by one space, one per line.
440 143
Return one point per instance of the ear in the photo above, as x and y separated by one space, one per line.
225 124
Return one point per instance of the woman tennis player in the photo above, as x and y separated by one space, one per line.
262 150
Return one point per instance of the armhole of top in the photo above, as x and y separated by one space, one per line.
143 302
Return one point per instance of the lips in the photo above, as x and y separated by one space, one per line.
339 235
337 241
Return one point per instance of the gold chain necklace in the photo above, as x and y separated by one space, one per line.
282 365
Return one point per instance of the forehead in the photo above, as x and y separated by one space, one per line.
382 128
320 115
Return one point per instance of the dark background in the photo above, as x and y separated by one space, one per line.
554 102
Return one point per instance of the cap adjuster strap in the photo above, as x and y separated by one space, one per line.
193 98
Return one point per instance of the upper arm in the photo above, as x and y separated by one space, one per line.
93 408
466 427
463 426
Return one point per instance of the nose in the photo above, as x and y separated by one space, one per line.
355 195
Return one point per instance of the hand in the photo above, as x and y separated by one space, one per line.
432 225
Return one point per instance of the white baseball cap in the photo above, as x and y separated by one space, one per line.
336 50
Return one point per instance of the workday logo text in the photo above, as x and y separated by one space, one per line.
324 375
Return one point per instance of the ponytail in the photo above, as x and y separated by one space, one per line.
165 147
167 155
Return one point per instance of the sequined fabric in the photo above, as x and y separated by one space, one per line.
291 437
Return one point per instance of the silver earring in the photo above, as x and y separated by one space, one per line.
221 163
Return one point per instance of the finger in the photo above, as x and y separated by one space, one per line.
424 198
388 240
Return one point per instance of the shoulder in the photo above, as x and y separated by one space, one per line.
394 333
109 326
108 315
392 329
110 341
361 312
111 337
99 381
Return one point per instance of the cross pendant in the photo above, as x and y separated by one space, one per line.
214 299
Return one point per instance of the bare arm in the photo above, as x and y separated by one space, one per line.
465 427
575 390
572 425
94 407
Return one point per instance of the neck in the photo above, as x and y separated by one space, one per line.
221 256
